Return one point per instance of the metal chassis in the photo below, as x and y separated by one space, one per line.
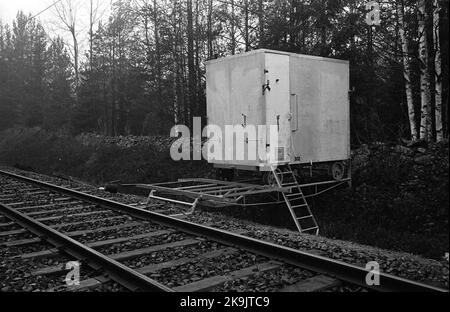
212 192
221 193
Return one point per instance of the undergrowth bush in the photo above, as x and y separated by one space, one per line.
51 153
398 200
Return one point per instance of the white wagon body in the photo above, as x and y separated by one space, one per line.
305 97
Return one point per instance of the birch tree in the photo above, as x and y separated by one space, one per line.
425 79
192 71
176 104
407 69
438 70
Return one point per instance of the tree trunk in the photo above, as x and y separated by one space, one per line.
407 71
293 24
232 30
113 88
157 51
438 70
91 34
192 83
323 31
210 13
75 57
2 41
66 12
246 26
183 75
371 82
262 43
425 123
176 105
198 108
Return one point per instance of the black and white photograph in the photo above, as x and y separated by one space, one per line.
226 155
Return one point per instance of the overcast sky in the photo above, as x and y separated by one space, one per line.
9 8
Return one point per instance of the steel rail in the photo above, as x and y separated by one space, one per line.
118 272
122 274
338 269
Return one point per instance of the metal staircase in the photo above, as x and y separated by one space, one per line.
296 201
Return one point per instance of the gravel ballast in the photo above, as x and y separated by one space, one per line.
400 264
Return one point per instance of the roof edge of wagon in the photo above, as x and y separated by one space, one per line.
320 58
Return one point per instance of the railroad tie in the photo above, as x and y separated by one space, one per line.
150 269
24 242
313 284
54 251
58 269
217 281
153 268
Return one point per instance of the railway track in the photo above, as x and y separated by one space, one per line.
136 249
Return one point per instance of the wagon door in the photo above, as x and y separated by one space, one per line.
320 87
234 100
277 95
245 107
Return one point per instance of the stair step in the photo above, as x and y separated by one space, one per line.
300 197
310 229
299 206
295 199
285 172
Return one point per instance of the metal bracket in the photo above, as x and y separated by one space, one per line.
266 87
244 125
173 201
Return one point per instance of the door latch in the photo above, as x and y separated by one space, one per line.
244 125
266 87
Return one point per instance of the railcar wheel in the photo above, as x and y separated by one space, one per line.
338 171
225 174
269 178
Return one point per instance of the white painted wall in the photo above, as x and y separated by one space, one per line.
278 101
318 86
321 86
233 90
